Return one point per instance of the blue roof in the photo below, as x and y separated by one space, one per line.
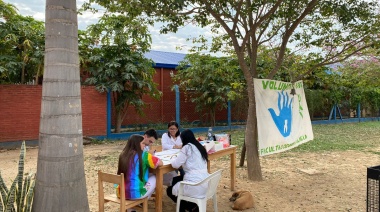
335 66
165 59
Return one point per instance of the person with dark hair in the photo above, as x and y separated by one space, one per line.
171 139
134 163
193 158
150 136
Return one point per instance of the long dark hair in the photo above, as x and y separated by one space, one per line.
175 124
127 156
187 136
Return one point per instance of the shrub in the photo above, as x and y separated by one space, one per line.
19 196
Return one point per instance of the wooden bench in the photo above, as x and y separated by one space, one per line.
124 204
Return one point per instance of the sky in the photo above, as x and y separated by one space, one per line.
160 42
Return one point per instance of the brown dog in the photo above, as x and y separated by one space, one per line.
241 200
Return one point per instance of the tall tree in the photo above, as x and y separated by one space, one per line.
118 63
21 47
209 82
7 10
361 77
60 181
326 31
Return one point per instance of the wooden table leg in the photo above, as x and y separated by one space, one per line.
159 188
233 169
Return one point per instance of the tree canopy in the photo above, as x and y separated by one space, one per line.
325 31
209 82
21 46
114 55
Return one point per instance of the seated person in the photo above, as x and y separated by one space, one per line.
193 158
150 136
134 163
171 139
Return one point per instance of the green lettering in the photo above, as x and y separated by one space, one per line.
271 85
300 108
299 85
265 84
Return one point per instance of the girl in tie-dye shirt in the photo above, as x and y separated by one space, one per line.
135 164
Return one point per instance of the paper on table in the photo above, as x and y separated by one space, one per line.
167 152
166 155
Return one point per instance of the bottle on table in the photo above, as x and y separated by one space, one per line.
210 135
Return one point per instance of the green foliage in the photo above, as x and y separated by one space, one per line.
19 197
209 82
325 32
354 82
7 10
317 102
361 76
21 47
118 64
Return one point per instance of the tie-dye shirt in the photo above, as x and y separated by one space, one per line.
134 187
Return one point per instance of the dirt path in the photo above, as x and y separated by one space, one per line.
333 181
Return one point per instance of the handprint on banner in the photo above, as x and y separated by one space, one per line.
283 120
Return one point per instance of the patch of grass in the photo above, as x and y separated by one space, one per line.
374 152
341 137
337 137
362 136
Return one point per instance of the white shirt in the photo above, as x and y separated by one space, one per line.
195 170
169 142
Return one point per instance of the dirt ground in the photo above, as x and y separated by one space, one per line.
334 181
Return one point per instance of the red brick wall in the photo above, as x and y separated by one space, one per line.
157 111
20 107
163 110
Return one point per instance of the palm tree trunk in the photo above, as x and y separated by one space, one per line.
60 181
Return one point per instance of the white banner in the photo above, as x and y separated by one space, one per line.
283 119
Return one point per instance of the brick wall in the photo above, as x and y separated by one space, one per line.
164 110
20 107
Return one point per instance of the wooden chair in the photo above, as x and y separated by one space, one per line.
124 204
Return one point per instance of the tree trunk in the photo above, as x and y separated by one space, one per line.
242 158
119 121
60 181
23 74
213 121
253 159
38 73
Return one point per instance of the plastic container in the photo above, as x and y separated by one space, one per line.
224 139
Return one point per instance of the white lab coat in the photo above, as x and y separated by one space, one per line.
195 170
170 142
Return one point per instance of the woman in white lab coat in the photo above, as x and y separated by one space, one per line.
172 139
193 159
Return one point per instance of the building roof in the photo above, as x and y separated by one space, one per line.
335 66
165 59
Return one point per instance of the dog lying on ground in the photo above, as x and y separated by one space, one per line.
241 200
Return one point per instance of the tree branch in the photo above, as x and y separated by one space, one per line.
287 35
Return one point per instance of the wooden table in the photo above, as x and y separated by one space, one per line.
160 171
